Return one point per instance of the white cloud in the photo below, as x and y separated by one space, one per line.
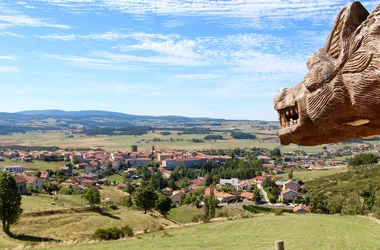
7 58
7 33
22 3
8 69
227 12
24 20
58 37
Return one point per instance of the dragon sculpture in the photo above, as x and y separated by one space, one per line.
339 98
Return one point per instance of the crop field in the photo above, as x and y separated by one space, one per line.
307 232
144 142
35 165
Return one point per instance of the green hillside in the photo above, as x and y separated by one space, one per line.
298 232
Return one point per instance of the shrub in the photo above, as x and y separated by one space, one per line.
113 233
277 211
127 201
127 230
363 159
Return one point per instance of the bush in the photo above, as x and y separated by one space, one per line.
166 133
363 159
278 211
127 230
113 233
127 201
200 217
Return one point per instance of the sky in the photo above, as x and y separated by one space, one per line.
198 58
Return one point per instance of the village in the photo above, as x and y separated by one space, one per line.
273 185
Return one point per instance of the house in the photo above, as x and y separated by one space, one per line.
34 181
87 183
168 191
222 197
161 157
14 169
247 195
259 179
292 185
288 195
21 184
176 196
69 183
44 175
301 209
192 188
138 162
233 182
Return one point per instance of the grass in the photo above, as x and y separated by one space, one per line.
43 202
35 165
313 174
115 177
124 142
184 214
306 232
78 226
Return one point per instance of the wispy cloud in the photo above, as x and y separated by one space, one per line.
8 69
7 58
239 12
7 33
24 20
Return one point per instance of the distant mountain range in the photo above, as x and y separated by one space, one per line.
56 113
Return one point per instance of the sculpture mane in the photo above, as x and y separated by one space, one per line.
339 98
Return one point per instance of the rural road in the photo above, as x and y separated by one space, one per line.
263 194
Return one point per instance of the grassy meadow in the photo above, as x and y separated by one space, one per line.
313 174
184 214
43 202
298 231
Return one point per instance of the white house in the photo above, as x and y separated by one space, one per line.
233 182
14 169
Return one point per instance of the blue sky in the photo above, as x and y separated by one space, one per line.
200 58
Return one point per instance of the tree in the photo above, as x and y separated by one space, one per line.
290 175
353 205
210 204
92 196
10 202
163 204
145 198
129 188
256 195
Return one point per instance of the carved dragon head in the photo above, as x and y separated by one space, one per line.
339 98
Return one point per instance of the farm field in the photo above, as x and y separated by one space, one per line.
313 174
145 142
35 165
308 232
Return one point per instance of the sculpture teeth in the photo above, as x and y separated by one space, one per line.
288 117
